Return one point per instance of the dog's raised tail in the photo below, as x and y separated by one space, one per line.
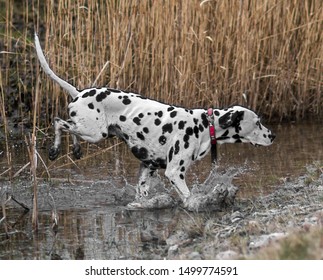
65 85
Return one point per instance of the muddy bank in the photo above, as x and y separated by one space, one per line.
286 224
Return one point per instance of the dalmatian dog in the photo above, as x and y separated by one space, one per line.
159 135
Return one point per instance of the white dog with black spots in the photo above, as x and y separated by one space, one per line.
159 135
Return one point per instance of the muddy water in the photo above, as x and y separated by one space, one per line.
89 196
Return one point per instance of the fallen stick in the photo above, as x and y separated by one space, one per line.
20 203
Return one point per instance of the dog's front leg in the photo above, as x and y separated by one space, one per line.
178 181
146 173
77 152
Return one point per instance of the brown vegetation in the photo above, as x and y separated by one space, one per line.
266 55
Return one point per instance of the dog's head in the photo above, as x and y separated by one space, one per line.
239 124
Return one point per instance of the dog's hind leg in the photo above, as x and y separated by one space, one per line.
55 149
77 152
60 125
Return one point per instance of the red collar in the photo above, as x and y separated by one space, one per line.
210 117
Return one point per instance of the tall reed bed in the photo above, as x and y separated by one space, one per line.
266 54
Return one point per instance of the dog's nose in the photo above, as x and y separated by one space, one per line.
272 137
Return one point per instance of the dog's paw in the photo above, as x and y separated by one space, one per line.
53 153
77 152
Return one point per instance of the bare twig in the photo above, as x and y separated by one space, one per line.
20 203
21 169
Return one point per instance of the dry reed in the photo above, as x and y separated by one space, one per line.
266 55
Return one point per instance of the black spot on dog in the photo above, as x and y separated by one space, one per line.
231 118
119 97
186 145
223 136
201 128
181 162
157 122
237 128
146 130
75 99
140 136
170 108
98 110
140 153
236 136
176 151
170 154
154 164
125 136
90 105
181 176
89 93
101 96
216 113
136 120
141 115
162 140
161 162
173 114
66 126
167 128
159 114
104 135
181 124
126 100
196 131
182 169
73 114
122 118
191 112
186 138
205 122
189 131
195 120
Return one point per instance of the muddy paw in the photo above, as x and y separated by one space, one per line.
53 153
77 152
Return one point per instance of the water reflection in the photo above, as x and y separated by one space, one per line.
104 234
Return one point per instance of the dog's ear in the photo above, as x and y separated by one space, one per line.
230 119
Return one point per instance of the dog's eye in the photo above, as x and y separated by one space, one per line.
258 124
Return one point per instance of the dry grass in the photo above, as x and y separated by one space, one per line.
298 246
266 54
